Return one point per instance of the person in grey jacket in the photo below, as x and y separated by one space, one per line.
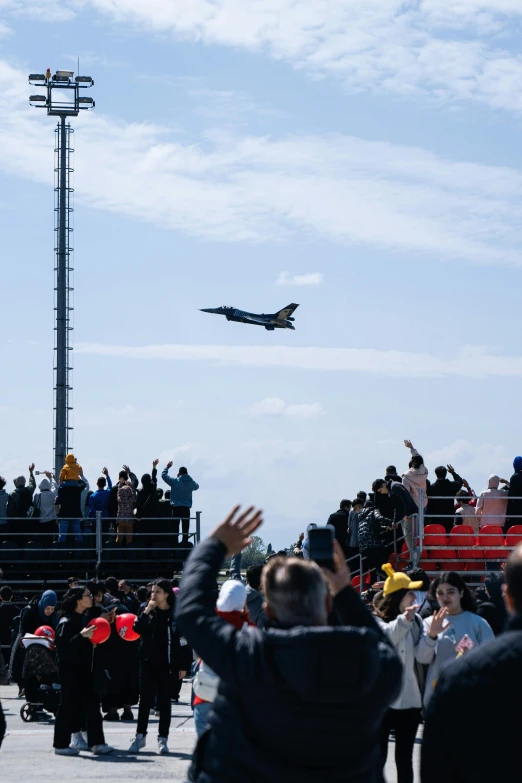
44 500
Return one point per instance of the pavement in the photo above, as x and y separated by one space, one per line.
27 750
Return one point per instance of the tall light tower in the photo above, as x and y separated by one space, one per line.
62 100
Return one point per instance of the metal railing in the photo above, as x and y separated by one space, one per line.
97 543
419 556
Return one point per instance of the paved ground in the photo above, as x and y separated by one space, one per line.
27 750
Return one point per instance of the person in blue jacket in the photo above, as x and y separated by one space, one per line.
181 489
99 500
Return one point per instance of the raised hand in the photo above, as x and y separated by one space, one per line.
105 471
31 468
408 444
339 578
410 612
437 624
235 531
169 464
155 463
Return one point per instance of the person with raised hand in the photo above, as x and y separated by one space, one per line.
302 701
397 615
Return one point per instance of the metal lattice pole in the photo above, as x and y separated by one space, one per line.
62 99
63 287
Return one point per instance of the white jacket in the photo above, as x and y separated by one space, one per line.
413 644
44 500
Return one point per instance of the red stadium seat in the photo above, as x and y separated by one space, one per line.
491 535
356 581
452 565
440 529
437 539
461 536
514 535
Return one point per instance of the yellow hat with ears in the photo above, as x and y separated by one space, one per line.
397 581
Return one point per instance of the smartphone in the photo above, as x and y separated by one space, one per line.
320 543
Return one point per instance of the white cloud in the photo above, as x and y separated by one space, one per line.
257 189
275 406
471 362
471 459
313 278
441 51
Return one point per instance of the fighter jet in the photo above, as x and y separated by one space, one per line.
280 320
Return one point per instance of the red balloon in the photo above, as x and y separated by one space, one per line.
125 627
102 630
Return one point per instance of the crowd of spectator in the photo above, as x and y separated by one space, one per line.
297 676
58 512
373 523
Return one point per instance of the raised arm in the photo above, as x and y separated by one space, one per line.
212 637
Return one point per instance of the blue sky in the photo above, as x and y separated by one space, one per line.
369 149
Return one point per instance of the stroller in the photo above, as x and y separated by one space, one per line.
40 676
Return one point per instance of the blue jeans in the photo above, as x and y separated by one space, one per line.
63 529
201 713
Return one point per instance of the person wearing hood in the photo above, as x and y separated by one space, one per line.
415 480
147 509
514 509
232 607
492 503
40 611
44 500
298 702
181 489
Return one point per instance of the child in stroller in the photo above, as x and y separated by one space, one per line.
40 674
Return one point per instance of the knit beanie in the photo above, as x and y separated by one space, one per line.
232 596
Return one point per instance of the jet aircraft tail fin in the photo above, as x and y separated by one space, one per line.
286 312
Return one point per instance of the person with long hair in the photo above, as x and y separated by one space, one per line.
80 703
396 613
464 630
163 655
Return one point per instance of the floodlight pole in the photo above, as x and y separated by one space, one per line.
65 102
63 308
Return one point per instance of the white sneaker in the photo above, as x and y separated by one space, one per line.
162 746
102 750
66 751
78 741
138 743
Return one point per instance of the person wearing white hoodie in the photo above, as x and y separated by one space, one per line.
43 501
415 479
492 503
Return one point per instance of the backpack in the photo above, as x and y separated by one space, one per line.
35 509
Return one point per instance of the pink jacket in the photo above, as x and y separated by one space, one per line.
492 504
415 479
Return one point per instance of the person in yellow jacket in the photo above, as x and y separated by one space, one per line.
71 471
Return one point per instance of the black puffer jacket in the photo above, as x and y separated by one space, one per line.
372 528
294 706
